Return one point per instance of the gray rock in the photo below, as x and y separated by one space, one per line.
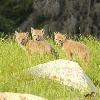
65 72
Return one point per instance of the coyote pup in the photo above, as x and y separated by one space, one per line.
41 47
37 34
71 47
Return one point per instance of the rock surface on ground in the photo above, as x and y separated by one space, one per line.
66 72
18 96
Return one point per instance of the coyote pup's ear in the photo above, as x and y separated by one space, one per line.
42 31
16 32
32 29
55 33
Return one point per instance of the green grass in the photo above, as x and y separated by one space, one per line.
13 60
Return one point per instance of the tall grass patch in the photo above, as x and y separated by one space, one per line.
13 60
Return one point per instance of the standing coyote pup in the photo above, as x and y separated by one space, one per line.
37 34
72 47
40 47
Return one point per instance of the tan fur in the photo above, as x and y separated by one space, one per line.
2 97
23 98
72 47
37 34
41 47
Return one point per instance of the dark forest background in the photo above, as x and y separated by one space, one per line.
68 16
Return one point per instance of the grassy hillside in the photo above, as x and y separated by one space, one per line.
13 60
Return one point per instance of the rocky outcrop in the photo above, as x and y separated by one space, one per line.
65 72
